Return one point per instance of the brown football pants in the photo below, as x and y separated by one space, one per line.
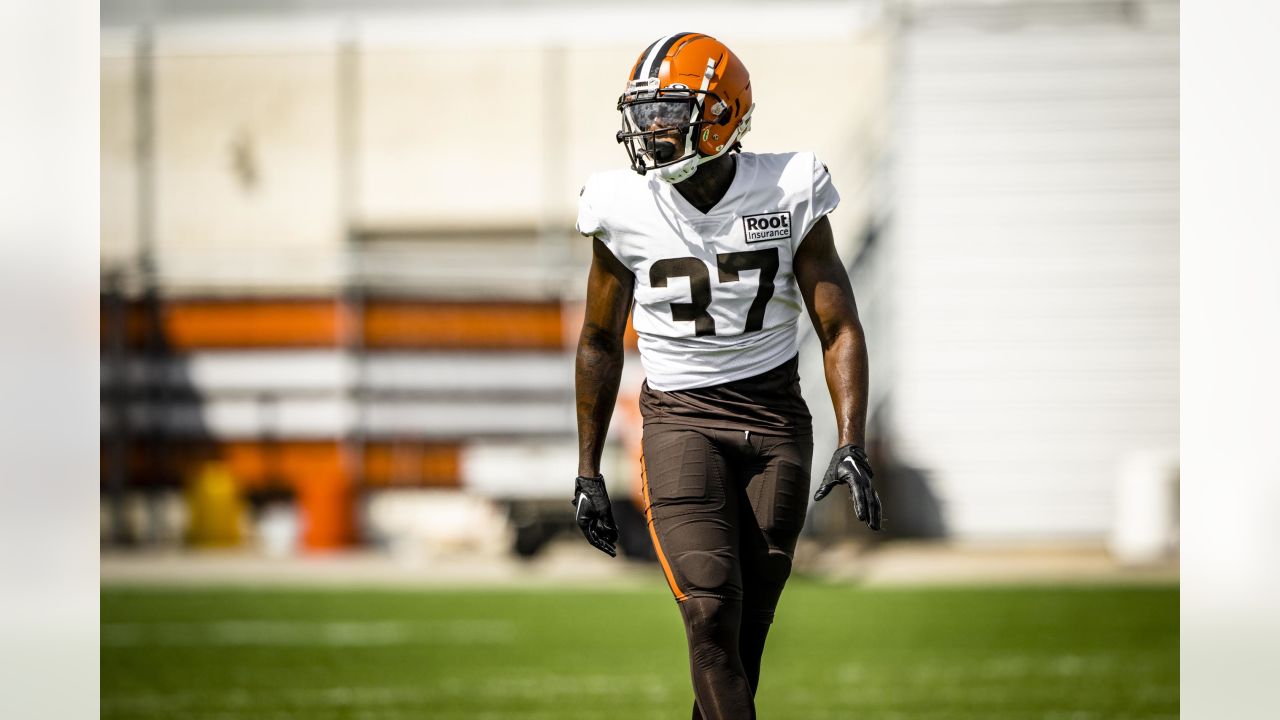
725 508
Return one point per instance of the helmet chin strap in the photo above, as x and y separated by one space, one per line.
683 170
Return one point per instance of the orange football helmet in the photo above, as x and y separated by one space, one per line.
687 101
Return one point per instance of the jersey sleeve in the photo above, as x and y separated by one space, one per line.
823 198
589 221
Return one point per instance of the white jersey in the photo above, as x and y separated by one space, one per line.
715 297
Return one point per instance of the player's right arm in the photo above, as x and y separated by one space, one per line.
597 372
598 368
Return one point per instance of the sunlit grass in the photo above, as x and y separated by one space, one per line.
835 652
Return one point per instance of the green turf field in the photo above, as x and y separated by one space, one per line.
835 652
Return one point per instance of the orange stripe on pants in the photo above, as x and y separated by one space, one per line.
653 533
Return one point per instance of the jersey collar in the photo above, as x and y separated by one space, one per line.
742 178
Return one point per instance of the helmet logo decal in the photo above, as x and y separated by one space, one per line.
642 85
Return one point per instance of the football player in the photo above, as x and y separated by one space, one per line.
718 250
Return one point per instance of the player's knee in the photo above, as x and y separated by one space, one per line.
712 628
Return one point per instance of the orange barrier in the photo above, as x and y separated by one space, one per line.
186 324
326 503
464 325
223 324
413 464
291 464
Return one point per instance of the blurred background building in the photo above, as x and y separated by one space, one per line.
342 288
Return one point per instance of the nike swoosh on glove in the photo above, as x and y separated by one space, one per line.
594 515
850 466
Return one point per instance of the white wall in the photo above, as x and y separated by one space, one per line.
1033 258
458 118
118 167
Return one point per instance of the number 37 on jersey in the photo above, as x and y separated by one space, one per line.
729 267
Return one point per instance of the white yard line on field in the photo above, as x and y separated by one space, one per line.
273 633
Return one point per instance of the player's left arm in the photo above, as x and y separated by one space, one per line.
828 295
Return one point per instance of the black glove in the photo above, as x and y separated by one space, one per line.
849 465
594 515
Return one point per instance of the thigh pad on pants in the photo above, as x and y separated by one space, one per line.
692 513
